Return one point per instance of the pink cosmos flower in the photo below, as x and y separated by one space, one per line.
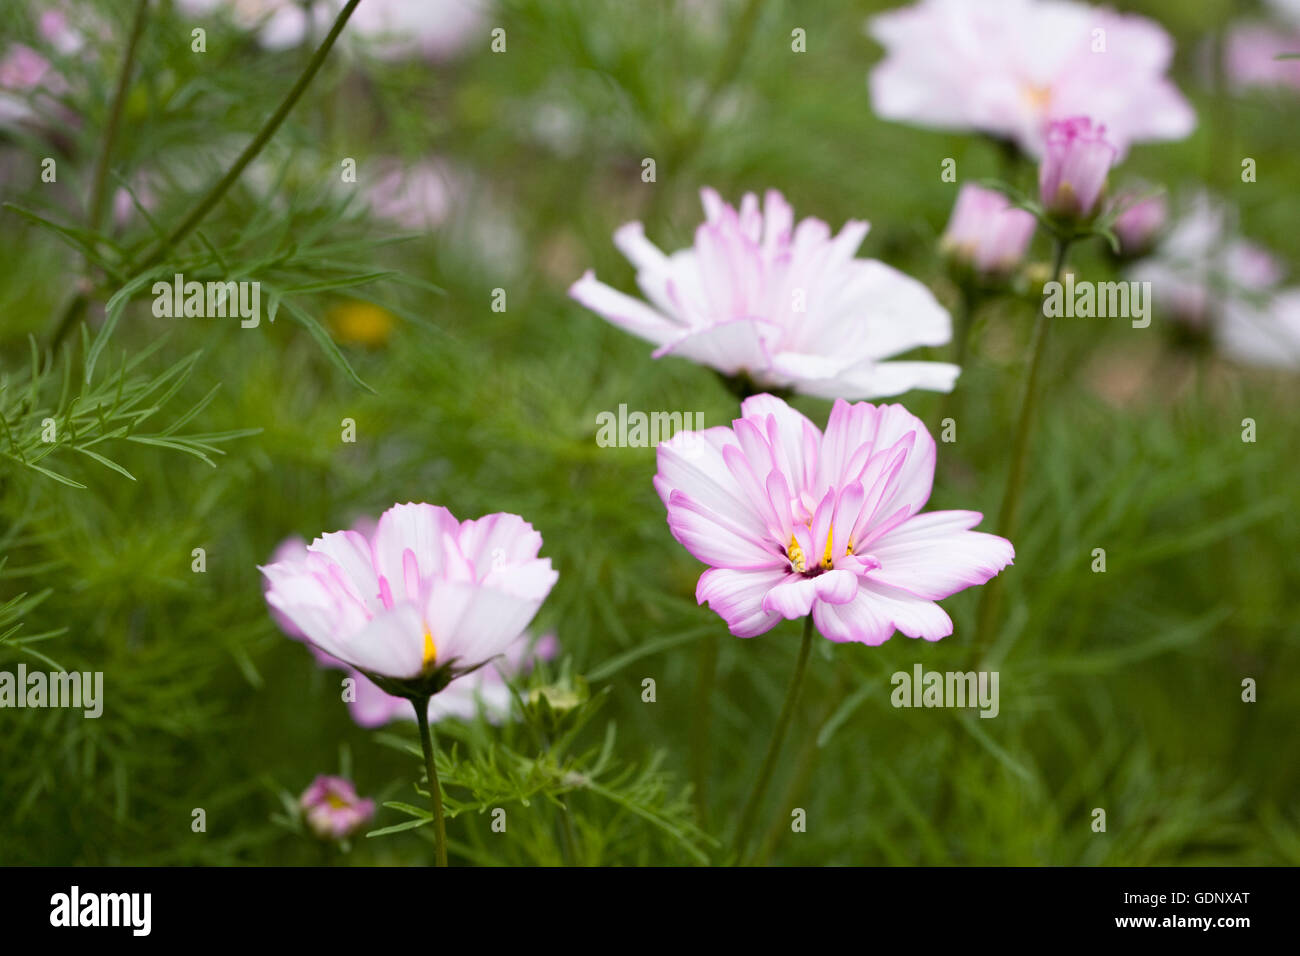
373 707
1139 222
1073 170
986 232
1251 57
1009 67
424 600
333 810
793 521
788 306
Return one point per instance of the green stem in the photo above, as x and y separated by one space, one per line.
213 195
568 840
967 303
803 771
750 811
99 183
96 212
421 706
700 726
1008 515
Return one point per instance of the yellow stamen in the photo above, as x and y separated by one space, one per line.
828 560
1036 97
430 650
796 555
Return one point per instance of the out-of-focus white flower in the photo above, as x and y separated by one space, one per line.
1010 67
390 29
1212 280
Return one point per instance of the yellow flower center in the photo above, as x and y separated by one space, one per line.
796 556
1036 97
430 651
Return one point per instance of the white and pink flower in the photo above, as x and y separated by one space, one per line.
788 306
423 601
1010 67
484 691
795 522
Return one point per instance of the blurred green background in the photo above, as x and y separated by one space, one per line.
1119 690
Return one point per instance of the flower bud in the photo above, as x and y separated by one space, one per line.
985 232
1073 171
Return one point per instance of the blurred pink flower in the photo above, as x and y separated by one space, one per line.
424 601
794 521
1251 57
28 85
1139 222
986 232
59 32
790 306
280 24
1214 281
434 29
391 29
1008 67
416 197
333 810
1073 170
1202 268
